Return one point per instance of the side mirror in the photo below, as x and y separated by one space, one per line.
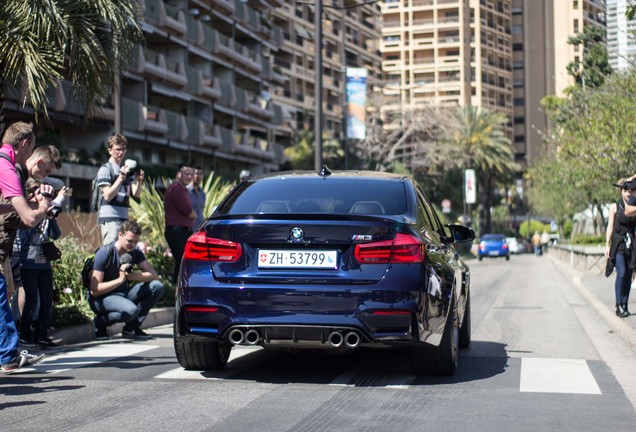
461 234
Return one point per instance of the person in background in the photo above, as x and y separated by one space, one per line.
536 243
179 214
110 295
18 142
197 194
619 245
37 280
545 239
116 188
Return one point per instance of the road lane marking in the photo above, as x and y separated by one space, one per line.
545 375
63 361
181 373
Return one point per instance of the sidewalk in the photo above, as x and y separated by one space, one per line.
84 332
598 291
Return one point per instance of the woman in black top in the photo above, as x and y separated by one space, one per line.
619 247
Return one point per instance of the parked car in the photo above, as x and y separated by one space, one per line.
513 245
334 261
493 246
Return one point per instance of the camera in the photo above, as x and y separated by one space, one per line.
128 268
132 167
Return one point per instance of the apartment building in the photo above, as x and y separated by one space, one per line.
199 90
351 33
541 29
621 42
448 53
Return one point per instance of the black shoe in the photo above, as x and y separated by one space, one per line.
47 343
620 311
101 333
134 333
626 310
26 343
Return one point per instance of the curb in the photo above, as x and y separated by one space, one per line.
616 324
84 333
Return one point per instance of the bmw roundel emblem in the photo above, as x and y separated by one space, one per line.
297 233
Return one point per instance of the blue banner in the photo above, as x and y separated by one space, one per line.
356 87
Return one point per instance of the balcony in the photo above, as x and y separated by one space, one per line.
248 145
165 16
258 106
228 95
177 126
195 31
152 63
225 5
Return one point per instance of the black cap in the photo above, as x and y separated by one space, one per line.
629 185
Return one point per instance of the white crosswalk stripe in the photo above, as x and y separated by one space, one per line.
180 373
83 356
549 375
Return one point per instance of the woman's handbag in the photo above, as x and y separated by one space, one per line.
50 251
609 267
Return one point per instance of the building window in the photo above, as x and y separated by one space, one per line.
575 4
517 65
520 138
518 101
576 26
517 47
517 83
520 120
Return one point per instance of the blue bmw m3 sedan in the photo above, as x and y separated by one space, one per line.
324 260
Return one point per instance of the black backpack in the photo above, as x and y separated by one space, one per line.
96 192
89 262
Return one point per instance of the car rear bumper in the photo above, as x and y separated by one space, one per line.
308 316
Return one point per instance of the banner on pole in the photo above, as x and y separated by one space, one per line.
356 91
470 186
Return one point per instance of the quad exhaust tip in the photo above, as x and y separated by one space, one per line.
236 336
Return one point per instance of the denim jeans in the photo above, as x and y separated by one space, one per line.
623 282
177 237
130 307
36 282
8 332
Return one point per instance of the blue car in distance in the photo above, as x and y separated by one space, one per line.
493 246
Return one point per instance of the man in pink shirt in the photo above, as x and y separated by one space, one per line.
18 143
180 215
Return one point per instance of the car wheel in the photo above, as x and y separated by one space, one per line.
507 257
464 329
194 355
441 360
480 257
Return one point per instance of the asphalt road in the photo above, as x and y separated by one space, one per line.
541 359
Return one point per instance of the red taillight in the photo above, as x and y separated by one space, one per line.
505 246
208 309
403 249
202 248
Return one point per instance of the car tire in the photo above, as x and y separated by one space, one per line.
464 329
197 355
441 360
479 258
507 257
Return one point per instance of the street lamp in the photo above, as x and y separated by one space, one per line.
318 85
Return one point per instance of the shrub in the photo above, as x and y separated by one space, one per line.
66 315
67 284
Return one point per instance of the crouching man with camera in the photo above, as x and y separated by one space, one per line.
117 183
111 295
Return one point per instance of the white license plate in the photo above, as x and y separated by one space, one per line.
493 253
297 259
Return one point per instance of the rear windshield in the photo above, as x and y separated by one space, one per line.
317 195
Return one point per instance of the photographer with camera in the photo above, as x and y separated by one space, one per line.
36 275
18 143
117 182
111 297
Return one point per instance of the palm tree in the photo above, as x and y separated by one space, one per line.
85 41
476 138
